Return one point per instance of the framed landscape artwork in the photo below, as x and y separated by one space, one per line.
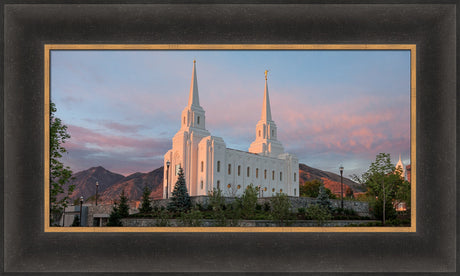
262 137
230 138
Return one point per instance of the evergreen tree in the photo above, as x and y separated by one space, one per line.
323 198
146 206
60 175
76 221
180 200
123 209
114 218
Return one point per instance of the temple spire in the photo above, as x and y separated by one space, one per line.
193 99
266 111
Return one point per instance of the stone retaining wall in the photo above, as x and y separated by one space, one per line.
151 222
361 208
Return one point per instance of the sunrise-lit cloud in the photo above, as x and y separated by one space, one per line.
331 107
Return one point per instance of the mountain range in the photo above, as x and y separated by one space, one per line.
112 184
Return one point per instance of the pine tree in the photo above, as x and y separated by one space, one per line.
323 198
123 209
114 218
180 200
76 221
146 206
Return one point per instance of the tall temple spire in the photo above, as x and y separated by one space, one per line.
266 111
193 99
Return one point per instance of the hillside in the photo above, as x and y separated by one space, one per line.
330 180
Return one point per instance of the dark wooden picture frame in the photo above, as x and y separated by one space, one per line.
27 28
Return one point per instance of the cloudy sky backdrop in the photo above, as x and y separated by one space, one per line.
331 107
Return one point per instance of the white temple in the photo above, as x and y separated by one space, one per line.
400 166
208 164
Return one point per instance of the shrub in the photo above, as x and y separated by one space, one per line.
217 206
390 212
192 218
280 205
249 201
163 218
319 213
267 207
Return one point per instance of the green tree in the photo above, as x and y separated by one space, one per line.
146 205
311 189
249 201
349 193
383 181
60 175
76 221
217 205
114 218
180 200
280 205
323 198
319 213
123 208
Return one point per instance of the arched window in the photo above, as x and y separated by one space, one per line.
281 190
248 171
265 189
202 166
281 176
295 193
218 166
184 120
218 184
198 120
273 190
257 173
265 174
273 175
238 187
259 133
202 184
239 170
229 168
295 176
273 133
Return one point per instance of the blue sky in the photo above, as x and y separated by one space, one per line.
331 107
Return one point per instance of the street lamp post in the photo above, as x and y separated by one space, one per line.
97 186
341 185
81 205
167 178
